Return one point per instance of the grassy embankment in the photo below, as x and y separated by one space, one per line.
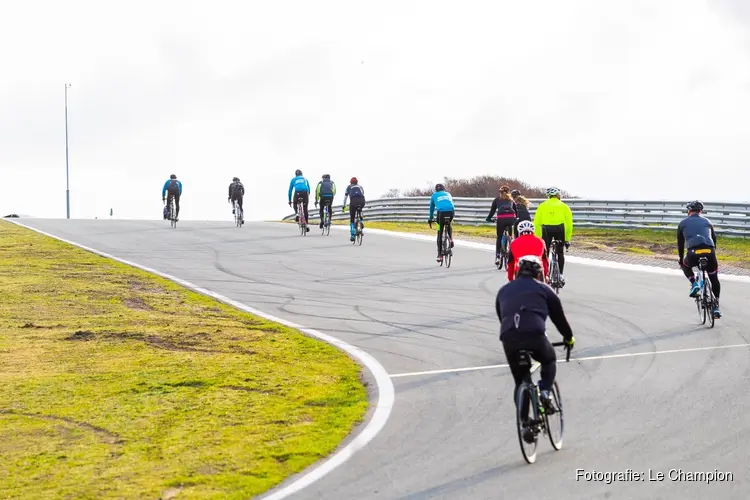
733 251
116 383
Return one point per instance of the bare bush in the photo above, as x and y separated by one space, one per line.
482 186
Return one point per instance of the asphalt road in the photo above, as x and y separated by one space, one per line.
453 435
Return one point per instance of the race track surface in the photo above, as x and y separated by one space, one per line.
453 435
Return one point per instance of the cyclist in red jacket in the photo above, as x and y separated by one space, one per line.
526 244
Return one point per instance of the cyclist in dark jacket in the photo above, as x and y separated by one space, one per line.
522 307
696 234
505 209
237 193
522 211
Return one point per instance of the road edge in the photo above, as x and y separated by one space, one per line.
385 389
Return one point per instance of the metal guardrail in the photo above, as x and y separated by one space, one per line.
731 219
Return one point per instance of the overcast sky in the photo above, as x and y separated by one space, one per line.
629 99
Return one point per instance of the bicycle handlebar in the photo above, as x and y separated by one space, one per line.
567 349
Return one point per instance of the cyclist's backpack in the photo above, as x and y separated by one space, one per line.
173 187
326 188
355 191
237 189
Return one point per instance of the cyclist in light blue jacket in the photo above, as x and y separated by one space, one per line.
301 189
442 201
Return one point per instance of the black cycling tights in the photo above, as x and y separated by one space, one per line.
176 204
558 232
443 220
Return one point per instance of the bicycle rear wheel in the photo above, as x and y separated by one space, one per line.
172 216
708 304
554 274
523 421
554 422
447 251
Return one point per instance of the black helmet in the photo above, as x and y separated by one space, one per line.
298 172
529 265
236 179
439 187
695 206
172 176
515 193
326 176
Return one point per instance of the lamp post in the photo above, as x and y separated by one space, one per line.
67 174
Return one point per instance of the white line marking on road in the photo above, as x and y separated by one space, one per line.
386 392
568 258
589 358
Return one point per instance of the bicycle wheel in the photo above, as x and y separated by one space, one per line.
554 422
554 274
524 421
708 304
172 216
447 251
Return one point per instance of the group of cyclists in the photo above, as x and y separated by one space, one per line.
526 301
299 190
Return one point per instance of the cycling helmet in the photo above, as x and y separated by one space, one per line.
298 172
552 191
515 193
525 226
236 179
695 206
439 187
529 265
353 180
326 176
172 176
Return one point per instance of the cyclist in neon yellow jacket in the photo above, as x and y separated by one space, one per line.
553 219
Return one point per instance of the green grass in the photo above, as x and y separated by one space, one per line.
117 383
734 251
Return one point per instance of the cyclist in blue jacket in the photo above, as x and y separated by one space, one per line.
301 189
174 188
443 202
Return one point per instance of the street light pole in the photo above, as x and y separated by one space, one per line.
67 174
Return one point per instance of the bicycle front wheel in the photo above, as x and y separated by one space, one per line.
525 415
554 421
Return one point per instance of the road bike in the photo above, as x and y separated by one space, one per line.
504 245
705 300
171 215
359 226
447 252
326 221
554 268
238 214
501 260
301 221
544 418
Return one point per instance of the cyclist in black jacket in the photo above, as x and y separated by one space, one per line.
522 209
522 307
505 209
696 233
237 192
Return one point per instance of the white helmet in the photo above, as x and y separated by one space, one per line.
525 226
552 191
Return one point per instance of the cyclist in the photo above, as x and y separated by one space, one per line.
522 211
173 188
442 201
325 191
301 189
522 307
505 209
697 233
553 219
237 193
526 244
357 195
